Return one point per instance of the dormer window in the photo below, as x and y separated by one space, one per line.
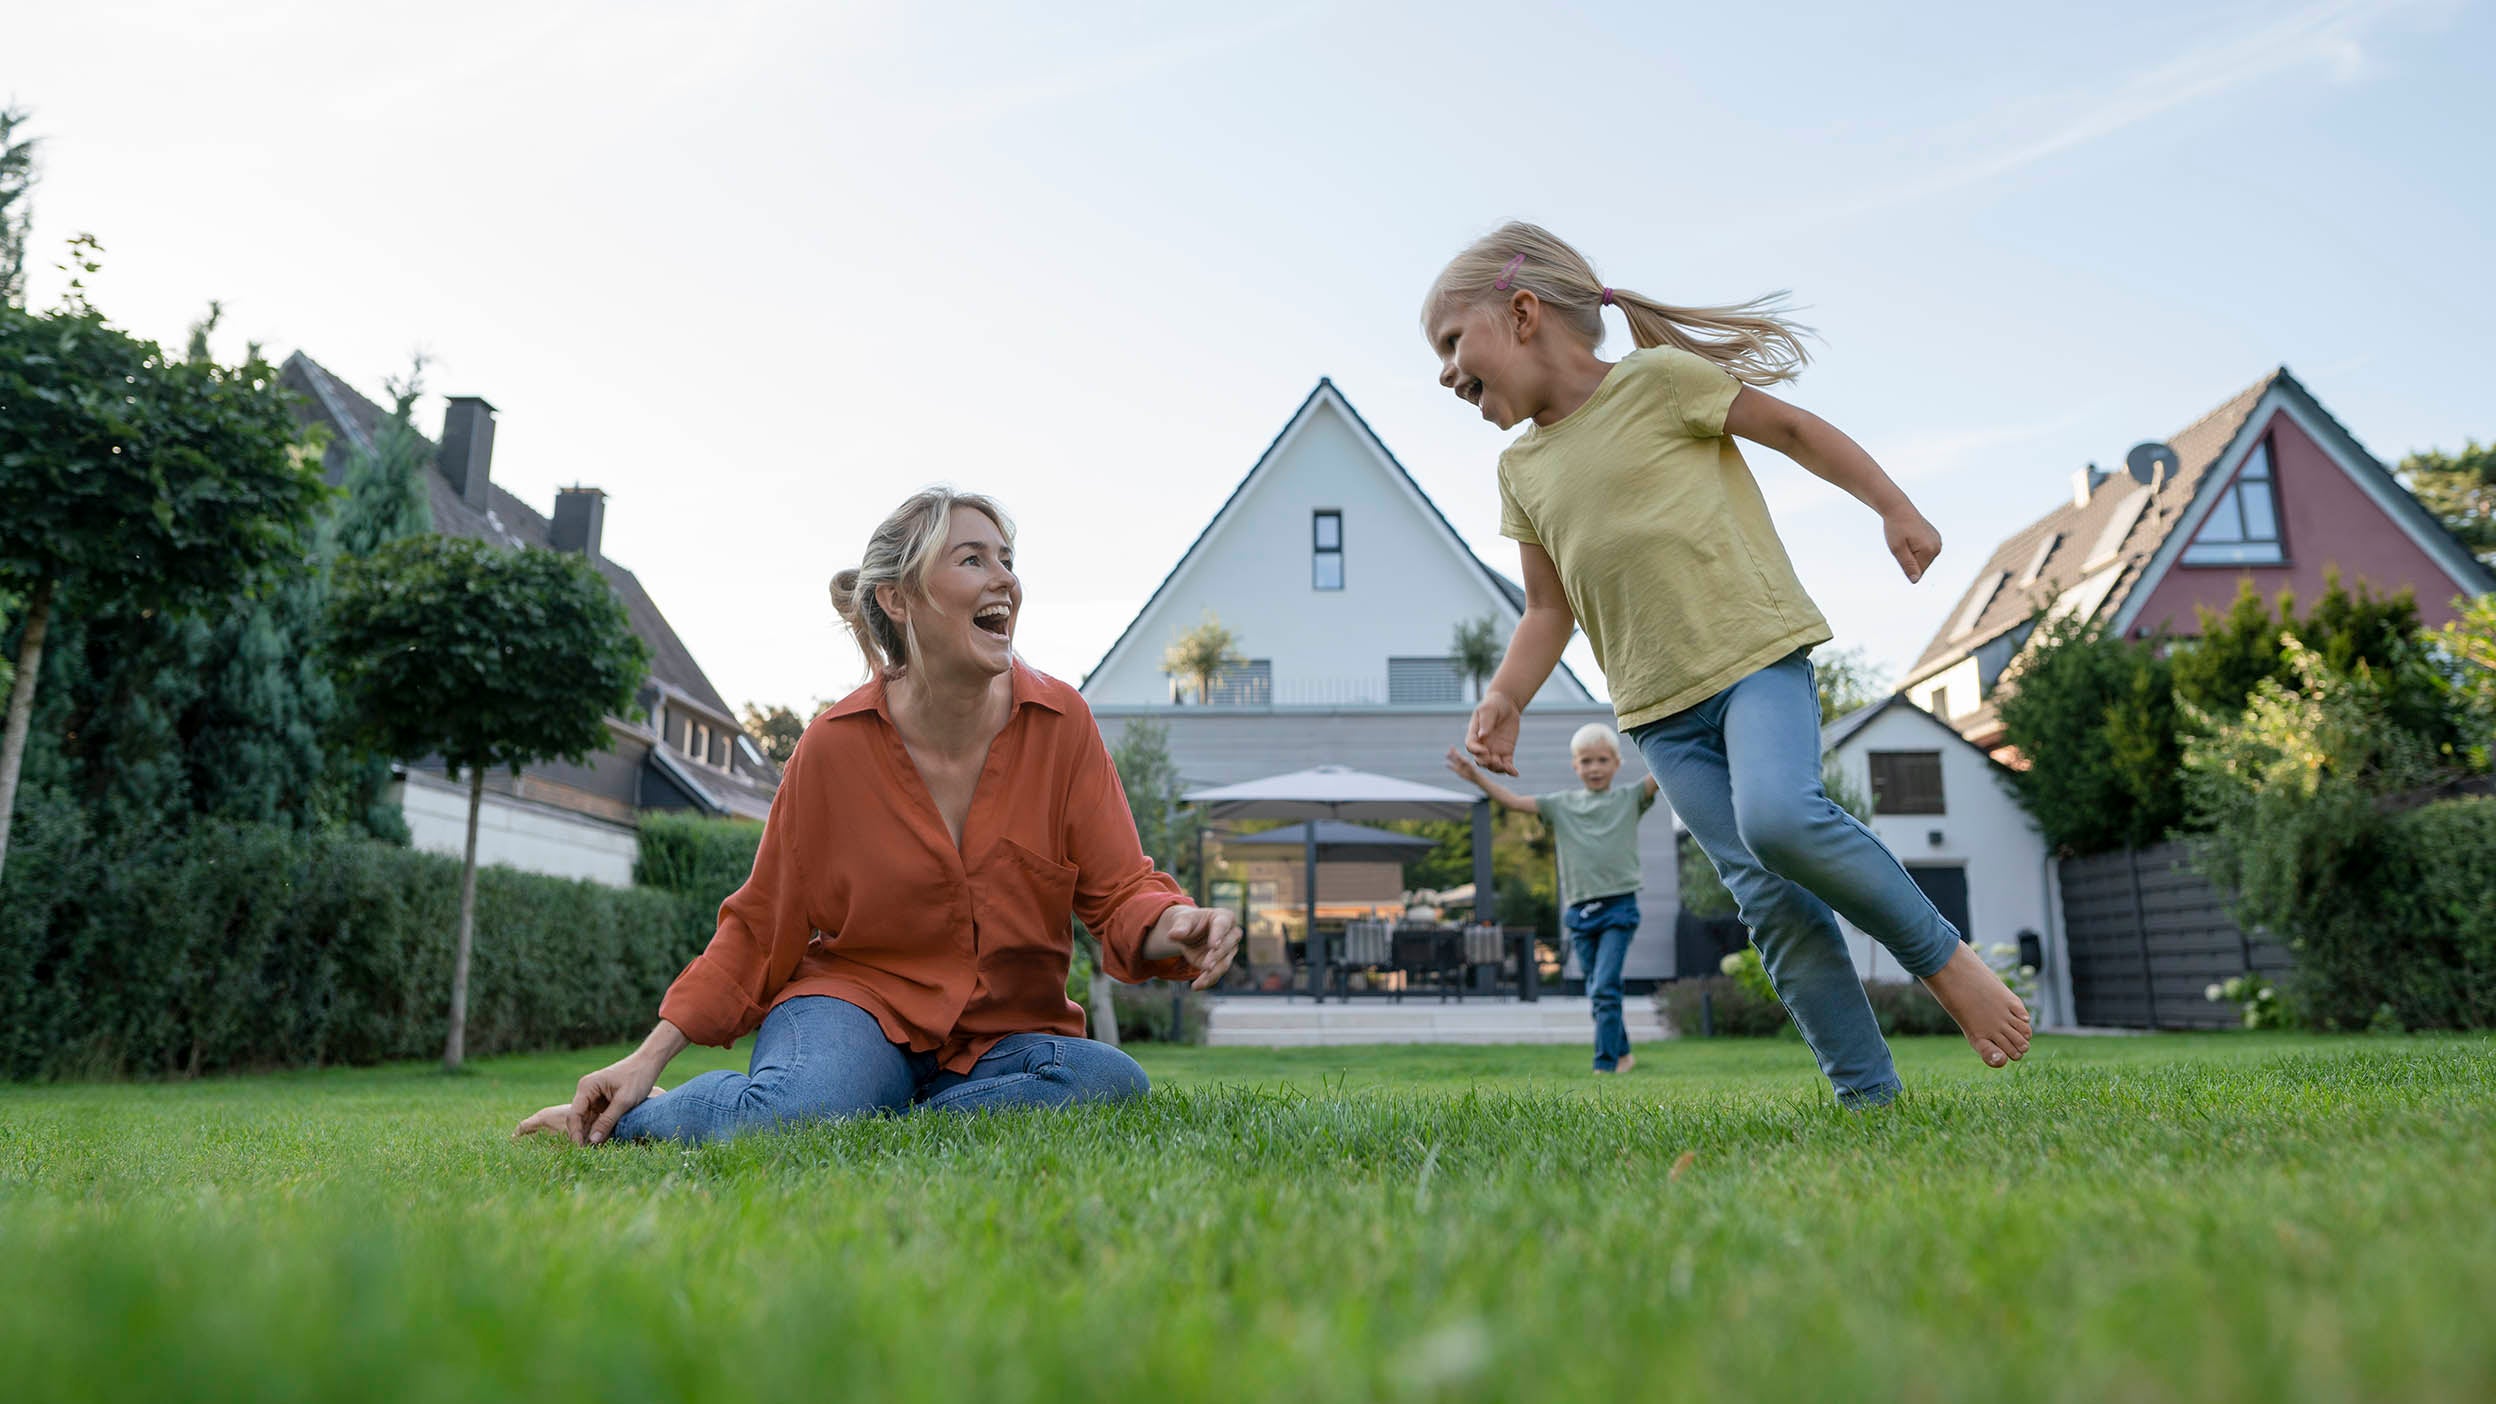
2243 525
1326 558
2036 563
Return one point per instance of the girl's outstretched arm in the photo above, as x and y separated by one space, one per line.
1533 651
1821 447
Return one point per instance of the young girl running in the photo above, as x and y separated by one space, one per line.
1637 519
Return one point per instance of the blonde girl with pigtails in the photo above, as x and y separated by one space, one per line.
1637 520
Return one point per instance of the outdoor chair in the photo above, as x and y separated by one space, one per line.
1427 953
1485 944
1366 946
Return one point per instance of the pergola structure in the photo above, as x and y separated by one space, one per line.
1337 792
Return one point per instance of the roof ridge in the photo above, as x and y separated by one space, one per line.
1325 384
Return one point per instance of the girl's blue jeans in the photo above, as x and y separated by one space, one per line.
1742 769
1601 930
817 1058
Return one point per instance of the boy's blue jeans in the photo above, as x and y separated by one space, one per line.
1601 930
817 1058
1742 769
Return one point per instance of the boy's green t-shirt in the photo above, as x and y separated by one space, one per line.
1596 833
1660 534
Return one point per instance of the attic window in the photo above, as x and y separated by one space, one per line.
1986 589
2243 525
2118 527
2045 552
1326 559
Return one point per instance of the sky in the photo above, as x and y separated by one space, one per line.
760 270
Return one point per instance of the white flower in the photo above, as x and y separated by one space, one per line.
2214 994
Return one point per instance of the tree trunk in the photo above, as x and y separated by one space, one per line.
454 1050
22 706
1104 1009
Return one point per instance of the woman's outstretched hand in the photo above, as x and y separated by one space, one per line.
1207 936
1912 540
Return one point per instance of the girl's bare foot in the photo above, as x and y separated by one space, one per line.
1995 1022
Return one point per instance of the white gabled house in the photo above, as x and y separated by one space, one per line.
1344 585
1944 807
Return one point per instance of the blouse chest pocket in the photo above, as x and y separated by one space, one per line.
1030 894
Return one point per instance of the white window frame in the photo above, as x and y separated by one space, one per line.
2256 480
1319 550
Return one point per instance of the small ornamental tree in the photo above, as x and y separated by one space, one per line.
1202 655
1848 681
487 657
1476 651
774 731
133 482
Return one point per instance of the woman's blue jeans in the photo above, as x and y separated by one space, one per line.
1742 769
817 1058
1601 930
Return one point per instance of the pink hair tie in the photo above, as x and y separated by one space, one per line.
1607 297
1508 272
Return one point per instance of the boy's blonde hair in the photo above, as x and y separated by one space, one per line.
904 548
1753 341
1594 734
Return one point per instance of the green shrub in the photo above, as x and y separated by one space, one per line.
1903 1007
1144 1013
243 946
1906 1009
2385 910
691 856
2094 714
2413 946
1737 1011
1143 1010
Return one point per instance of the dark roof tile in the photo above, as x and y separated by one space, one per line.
506 521
2197 447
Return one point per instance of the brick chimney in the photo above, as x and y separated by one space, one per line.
468 447
580 517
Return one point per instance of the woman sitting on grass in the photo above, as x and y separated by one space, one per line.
903 940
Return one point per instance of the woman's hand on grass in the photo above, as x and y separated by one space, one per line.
605 1095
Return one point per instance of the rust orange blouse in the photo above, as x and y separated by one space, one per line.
858 891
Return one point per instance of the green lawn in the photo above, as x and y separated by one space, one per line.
2181 1218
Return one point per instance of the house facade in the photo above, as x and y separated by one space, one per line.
2268 487
1344 586
682 750
1941 804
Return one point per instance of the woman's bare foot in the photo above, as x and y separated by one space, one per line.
1995 1022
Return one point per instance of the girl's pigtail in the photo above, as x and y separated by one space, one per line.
1753 341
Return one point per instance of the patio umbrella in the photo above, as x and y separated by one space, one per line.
1335 792
1336 842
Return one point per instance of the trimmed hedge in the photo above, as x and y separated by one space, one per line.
237 946
2414 931
696 857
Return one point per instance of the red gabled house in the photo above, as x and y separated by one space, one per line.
2268 487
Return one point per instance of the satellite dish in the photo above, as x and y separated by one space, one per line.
2152 463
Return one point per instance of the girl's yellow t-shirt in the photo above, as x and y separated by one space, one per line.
1662 539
